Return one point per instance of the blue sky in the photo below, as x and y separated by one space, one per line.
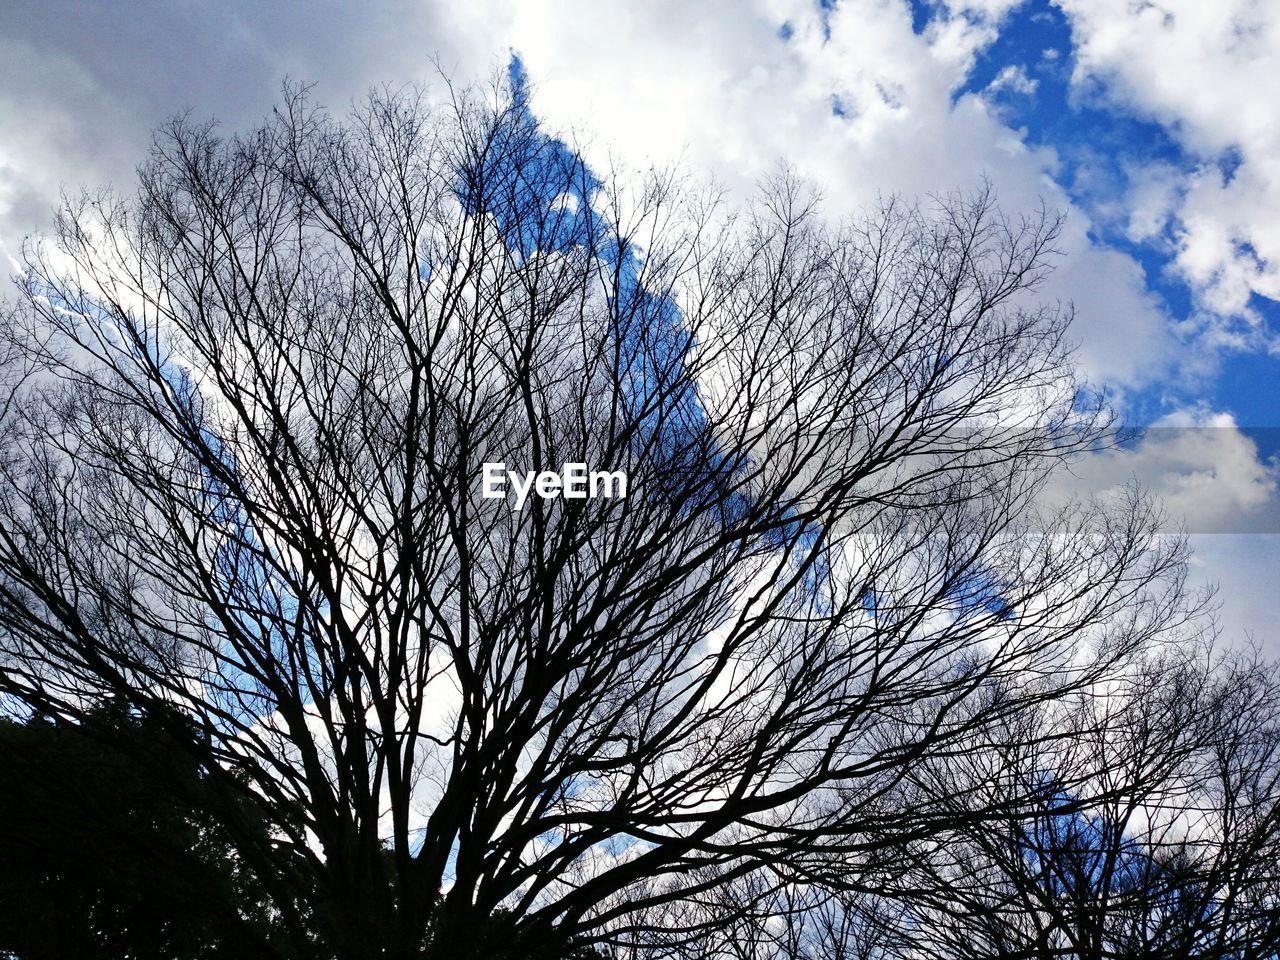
1100 146
1152 126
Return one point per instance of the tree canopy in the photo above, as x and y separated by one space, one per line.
827 640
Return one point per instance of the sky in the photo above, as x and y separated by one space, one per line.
1151 124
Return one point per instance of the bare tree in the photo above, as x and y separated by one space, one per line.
1156 837
242 489
1174 854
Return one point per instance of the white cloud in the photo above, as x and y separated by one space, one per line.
1014 79
1211 482
1206 473
1206 72
82 86
716 87
725 94
1242 567
1154 195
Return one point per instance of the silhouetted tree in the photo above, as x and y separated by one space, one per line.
109 850
1174 854
240 492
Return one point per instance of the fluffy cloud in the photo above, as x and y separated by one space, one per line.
846 93
1205 472
1242 570
856 100
1209 479
850 97
1014 78
1206 72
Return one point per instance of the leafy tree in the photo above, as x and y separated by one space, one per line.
110 851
